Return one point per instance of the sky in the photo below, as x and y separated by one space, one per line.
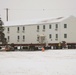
36 9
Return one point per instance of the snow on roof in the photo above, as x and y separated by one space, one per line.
34 21
55 20
22 22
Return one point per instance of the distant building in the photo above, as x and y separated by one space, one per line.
42 31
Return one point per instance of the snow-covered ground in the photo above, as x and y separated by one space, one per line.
49 62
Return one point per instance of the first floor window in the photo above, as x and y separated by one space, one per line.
37 38
8 38
50 36
65 35
56 36
8 29
23 38
18 37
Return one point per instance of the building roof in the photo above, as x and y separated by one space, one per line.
21 22
56 20
35 21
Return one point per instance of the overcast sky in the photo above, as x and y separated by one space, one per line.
35 9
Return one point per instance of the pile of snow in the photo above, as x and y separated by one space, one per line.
49 62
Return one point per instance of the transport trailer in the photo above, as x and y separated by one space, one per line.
36 47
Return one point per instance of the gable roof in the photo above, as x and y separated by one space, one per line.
35 21
56 20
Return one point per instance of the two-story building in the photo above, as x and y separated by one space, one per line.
41 31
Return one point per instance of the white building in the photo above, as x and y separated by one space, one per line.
41 31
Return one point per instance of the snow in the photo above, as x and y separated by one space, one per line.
49 62
35 21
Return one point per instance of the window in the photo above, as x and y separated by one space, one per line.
50 26
38 27
56 36
65 25
50 36
56 25
23 29
8 38
43 26
37 38
65 35
18 29
18 37
23 38
8 29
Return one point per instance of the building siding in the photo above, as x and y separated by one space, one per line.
31 32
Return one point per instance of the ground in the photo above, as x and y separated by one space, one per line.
49 62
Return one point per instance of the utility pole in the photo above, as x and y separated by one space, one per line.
6 14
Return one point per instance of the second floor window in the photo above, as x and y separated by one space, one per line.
50 26
38 27
43 26
23 28
56 25
18 29
65 25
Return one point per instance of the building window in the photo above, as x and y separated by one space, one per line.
56 25
56 35
18 37
23 38
37 38
65 25
65 35
8 29
23 29
18 29
38 27
8 38
50 36
43 26
50 26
